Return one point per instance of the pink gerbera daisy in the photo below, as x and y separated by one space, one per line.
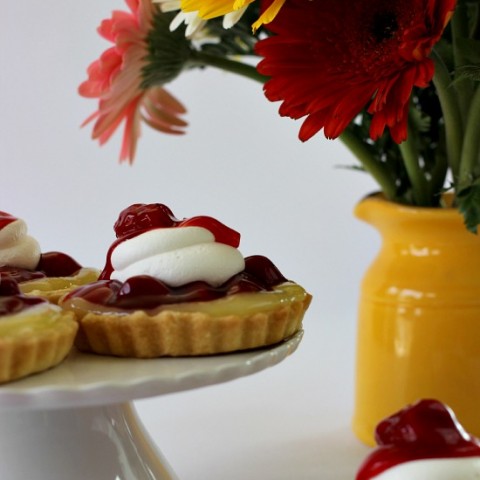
119 79
330 59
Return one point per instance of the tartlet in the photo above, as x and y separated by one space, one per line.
423 440
238 322
49 275
52 284
194 305
34 334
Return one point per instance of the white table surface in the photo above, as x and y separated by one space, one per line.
291 421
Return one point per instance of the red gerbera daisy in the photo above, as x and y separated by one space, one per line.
329 59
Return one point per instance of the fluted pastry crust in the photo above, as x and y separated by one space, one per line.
177 333
26 349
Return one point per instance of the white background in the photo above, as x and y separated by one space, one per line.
239 162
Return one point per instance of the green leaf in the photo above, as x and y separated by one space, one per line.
471 72
468 200
420 121
357 168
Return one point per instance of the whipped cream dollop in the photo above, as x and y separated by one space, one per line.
176 256
467 468
17 248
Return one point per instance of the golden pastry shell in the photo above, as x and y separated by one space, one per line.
180 333
38 349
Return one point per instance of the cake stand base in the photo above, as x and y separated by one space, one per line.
76 422
84 443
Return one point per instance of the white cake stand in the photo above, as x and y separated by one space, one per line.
77 422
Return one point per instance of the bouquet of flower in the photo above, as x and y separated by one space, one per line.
396 81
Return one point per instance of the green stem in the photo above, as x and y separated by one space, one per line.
460 29
451 113
411 157
463 87
475 33
226 64
470 159
374 168
439 174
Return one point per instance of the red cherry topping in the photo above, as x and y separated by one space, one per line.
141 217
5 219
143 292
8 286
58 264
20 274
426 429
262 267
221 232
11 300
51 264
427 423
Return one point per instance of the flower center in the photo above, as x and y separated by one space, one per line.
168 52
375 42
384 26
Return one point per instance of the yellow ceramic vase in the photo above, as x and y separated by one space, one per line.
419 315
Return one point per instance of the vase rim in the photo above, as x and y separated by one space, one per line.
376 209
379 197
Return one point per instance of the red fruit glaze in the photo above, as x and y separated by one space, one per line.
5 219
20 274
51 264
140 217
221 232
58 264
144 292
8 287
11 301
426 429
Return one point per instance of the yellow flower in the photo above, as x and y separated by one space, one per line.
208 9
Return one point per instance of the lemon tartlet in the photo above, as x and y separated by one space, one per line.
49 275
180 288
34 334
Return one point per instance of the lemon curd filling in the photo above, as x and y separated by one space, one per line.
31 321
237 304
33 336
84 276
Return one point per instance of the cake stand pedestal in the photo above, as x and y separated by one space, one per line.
77 422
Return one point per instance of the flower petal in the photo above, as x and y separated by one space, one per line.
374 63
116 79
